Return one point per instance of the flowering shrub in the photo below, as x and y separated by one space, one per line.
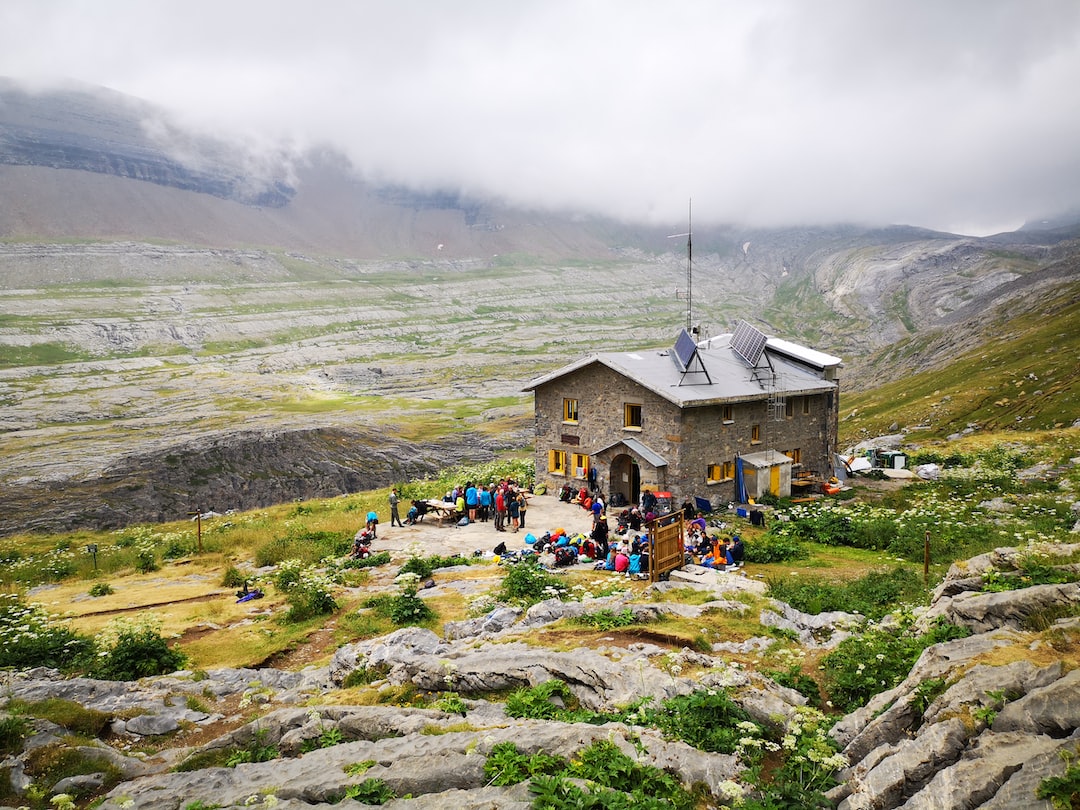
527 583
34 569
308 590
406 608
146 558
950 510
808 764
877 660
29 637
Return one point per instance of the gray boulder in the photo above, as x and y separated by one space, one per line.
1053 709
1014 609
447 768
981 771
817 631
975 688
494 622
1019 790
907 767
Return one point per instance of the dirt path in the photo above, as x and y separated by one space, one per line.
545 514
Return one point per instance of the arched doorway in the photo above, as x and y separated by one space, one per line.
625 478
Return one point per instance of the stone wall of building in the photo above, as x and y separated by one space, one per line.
710 439
688 439
601 395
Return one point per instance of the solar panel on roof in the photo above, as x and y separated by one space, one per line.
748 342
684 350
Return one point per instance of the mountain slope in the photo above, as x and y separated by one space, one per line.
1019 370
151 306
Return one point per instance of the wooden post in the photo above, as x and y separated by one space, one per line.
926 560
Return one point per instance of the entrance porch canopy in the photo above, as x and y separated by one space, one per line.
636 447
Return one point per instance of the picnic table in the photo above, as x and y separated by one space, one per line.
443 511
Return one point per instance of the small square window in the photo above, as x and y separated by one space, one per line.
580 465
557 462
632 416
570 410
715 473
727 413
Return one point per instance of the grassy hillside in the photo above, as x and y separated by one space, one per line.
1024 376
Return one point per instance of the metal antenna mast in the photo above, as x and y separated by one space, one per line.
689 265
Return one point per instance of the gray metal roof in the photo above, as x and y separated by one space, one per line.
731 379
650 456
765 459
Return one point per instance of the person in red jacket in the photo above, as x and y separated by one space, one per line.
500 511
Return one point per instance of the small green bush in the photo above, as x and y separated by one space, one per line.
308 591
406 608
363 675
101 589
135 651
526 583
232 578
382 558
146 561
370 791
506 765
14 728
424 567
770 548
707 719
607 619
257 750
535 702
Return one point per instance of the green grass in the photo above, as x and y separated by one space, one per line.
42 354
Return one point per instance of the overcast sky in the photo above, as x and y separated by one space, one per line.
961 115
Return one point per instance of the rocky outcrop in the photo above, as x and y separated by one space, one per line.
444 769
1003 716
239 471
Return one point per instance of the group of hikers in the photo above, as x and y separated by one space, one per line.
505 505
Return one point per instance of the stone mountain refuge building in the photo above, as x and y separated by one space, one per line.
690 419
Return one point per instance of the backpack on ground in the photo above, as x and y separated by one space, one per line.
564 555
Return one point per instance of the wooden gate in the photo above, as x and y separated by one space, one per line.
665 545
